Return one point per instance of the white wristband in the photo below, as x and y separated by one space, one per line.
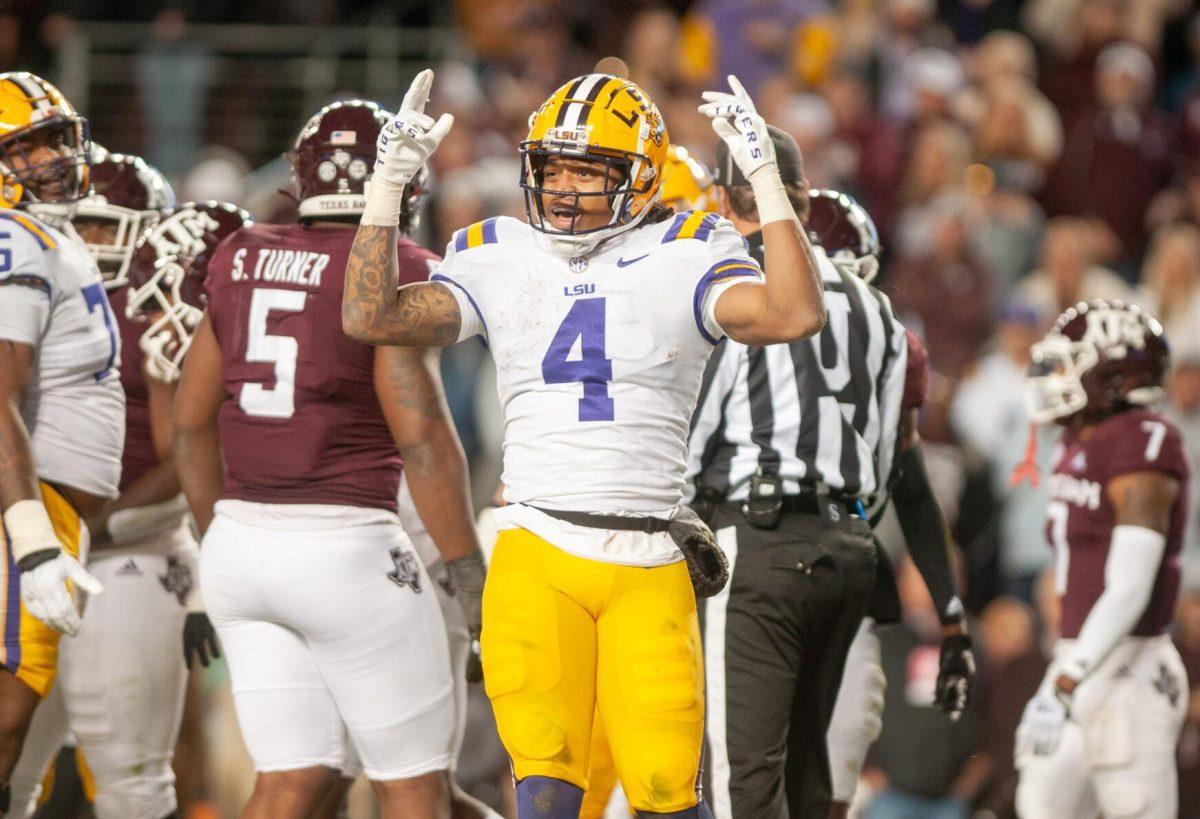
384 201
29 528
770 197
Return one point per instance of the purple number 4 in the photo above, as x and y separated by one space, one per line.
584 321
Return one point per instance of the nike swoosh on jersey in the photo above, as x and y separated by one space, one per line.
626 263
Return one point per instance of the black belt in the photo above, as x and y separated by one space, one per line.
811 502
621 523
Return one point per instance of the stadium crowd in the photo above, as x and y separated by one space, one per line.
1018 156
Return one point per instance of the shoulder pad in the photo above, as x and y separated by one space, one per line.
692 224
31 226
480 233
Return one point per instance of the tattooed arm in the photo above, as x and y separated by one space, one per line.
410 392
18 480
374 311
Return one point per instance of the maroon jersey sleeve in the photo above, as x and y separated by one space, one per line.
1139 441
916 373
302 423
138 456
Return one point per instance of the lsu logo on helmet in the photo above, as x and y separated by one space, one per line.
605 119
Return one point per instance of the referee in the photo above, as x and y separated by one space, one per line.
788 444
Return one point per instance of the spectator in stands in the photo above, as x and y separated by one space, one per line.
1118 155
1171 281
945 290
1183 408
910 25
1075 32
940 154
1068 273
867 147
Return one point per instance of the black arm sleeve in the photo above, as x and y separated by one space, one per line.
925 529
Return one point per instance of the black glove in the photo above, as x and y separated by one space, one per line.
199 639
956 673
706 562
468 574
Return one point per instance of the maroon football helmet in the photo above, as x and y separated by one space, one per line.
334 156
845 230
128 196
166 278
1099 358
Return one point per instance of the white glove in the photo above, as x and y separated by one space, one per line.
736 121
1041 724
45 593
403 147
46 568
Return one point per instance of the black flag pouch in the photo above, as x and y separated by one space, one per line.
763 507
706 562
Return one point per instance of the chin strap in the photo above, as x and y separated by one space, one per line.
1028 467
5 798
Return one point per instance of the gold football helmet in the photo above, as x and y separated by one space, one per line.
605 119
43 143
687 184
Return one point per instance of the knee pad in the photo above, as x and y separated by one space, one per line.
532 734
661 772
149 794
542 797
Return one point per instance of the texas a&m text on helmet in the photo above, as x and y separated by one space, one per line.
1100 357
166 279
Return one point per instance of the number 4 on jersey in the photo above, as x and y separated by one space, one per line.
585 323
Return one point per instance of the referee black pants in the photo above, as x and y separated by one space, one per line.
776 641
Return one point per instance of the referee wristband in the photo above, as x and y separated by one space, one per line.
29 529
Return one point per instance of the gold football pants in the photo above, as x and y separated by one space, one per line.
30 647
565 637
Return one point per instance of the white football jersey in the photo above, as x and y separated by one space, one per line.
52 298
598 362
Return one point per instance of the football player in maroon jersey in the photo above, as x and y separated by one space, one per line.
126 725
290 439
1099 737
841 226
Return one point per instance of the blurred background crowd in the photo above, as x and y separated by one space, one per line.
1018 156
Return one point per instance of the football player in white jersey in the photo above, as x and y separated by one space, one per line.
126 724
600 313
62 411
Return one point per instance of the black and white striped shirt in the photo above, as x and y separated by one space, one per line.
822 411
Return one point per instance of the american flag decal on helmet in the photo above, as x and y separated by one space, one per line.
343 138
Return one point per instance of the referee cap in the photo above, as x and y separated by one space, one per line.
787 157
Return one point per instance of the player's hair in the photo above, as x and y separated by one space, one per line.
741 201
